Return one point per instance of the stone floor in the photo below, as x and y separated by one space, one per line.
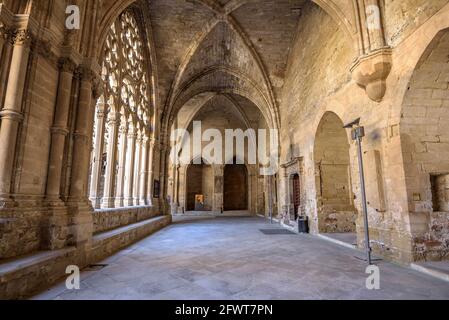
349 238
230 258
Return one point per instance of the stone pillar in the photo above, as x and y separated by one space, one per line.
79 206
129 169
95 196
56 231
137 165
59 130
5 54
11 113
113 124
119 199
374 24
144 172
150 172
3 37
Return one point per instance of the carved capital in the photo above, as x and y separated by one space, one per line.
86 74
371 72
123 129
113 118
18 37
66 65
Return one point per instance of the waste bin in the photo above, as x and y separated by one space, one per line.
303 224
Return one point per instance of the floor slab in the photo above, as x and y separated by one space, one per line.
230 258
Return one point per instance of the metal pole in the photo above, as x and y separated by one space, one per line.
358 134
270 199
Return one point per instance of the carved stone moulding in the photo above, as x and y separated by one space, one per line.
371 72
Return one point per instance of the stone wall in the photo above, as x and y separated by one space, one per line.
109 219
319 81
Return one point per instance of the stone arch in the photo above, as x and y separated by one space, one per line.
335 207
424 133
251 91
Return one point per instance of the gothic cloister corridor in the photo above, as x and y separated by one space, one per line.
224 149
230 258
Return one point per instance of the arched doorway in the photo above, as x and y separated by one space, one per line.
200 179
335 208
235 188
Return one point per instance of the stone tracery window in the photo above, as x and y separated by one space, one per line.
123 118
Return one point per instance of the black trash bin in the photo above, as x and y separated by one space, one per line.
303 224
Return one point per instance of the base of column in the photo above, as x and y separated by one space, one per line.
54 202
56 230
80 213
108 203
129 202
119 203
96 202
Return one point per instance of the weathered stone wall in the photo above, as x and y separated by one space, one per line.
315 72
109 219
319 81
425 145
404 17
336 212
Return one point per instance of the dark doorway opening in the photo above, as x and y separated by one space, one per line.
296 195
235 188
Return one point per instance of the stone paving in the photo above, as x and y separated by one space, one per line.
229 258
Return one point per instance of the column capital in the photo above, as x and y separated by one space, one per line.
19 37
67 65
123 128
113 118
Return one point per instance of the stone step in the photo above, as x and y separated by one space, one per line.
22 275
107 243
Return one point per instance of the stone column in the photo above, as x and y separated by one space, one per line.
82 143
137 166
3 36
59 130
119 199
374 24
150 172
144 172
95 196
79 206
56 230
113 124
129 169
5 53
11 113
